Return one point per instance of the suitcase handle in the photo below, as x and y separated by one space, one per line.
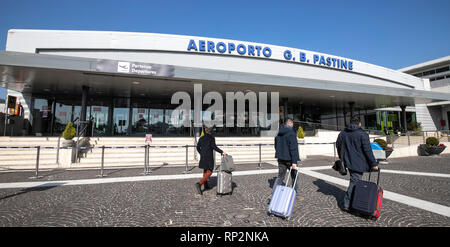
289 174
378 177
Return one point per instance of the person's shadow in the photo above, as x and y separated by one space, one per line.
329 189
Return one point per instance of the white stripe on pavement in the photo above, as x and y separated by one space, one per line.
430 174
411 201
123 179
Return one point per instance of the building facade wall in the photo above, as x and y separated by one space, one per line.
173 49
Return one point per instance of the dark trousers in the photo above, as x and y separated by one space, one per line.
354 177
283 167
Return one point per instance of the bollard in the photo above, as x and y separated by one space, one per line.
187 160
147 170
36 176
259 164
103 161
334 145
57 152
145 161
409 141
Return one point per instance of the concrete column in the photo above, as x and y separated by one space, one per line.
337 119
84 95
110 128
130 116
352 105
53 112
285 104
345 116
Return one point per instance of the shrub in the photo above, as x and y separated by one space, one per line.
300 133
432 141
382 143
69 132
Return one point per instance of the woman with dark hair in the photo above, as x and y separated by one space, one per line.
205 146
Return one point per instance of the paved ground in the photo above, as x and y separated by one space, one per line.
175 203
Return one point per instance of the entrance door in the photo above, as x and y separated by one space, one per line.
63 115
99 116
156 120
140 121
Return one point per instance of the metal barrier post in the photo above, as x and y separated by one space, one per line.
409 141
36 176
148 159
187 160
103 161
57 151
147 170
334 147
145 161
259 164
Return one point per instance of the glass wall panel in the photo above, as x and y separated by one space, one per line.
140 121
42 117
99 116
63 115
156 121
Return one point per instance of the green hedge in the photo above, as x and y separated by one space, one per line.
69 132
300 133
432 141
381 142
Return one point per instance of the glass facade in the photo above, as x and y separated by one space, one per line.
121 116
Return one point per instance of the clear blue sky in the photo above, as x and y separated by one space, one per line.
393 34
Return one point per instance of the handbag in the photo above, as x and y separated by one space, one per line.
227 163
340 166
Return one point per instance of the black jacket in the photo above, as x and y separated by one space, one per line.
355 145
205 146
286 145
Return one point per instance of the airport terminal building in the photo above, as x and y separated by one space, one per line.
124 82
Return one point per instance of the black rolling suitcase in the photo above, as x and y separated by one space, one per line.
367 197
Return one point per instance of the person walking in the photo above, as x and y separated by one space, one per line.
353 146
205 146
286 152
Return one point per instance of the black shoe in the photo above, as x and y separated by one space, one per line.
199 188
347 210
206 186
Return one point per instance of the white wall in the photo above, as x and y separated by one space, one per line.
172 49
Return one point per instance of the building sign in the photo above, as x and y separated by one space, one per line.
136 68
148 138
250 50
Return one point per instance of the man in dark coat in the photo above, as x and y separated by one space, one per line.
286 152
353 146
205 146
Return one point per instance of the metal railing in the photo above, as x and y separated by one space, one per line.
391 136
147 170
